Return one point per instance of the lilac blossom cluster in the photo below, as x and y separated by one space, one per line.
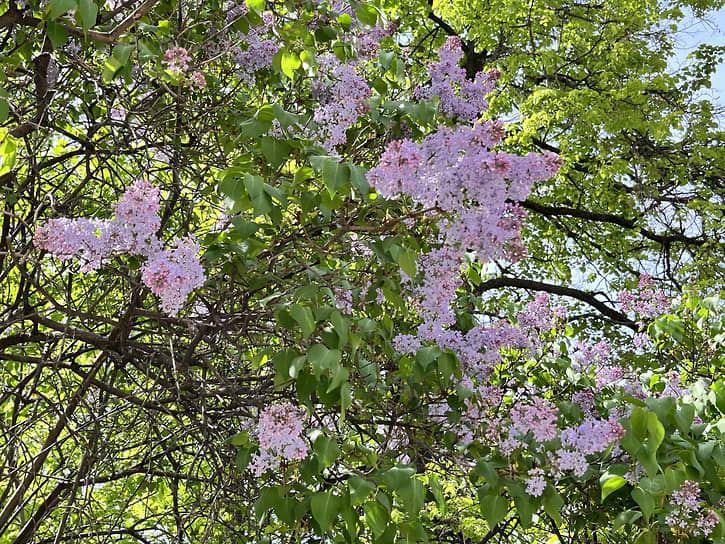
256 55
538 418
343 97
177 61
169 273
459 96
590 437
458 172
690 517
367 41
595 361
280 433
650 302
235 10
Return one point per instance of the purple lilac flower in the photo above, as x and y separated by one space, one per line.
689 515
343 97
170 273
459 96
280 436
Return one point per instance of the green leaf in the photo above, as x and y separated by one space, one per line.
646 537
645 501
341 327
326 450
664 408
367 15
345 399
553 502
59 36
489 473
655 431
122 52
269 498
611 485
284 117
4 110
638 418
245 228
494 508
289 62
673 327
345 20
239 439
111 67
655 485
276 151
406 261
339 375
304 317
397 477
437 490
413 496
359 179
324 506
335 175
526 505
8 154
89 11
628 517
59 7
256 5
321 358
360 489
376 517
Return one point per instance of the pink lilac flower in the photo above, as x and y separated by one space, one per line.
585 399
689 515
459 96
608 374
586 357
343 299
89 240
536 483
367 41
280 436
235 10
176 60
592 436
173 274
539 417
170 273
641 339
343 98
650 302
137 219
257 55
673 385
571 460
458 172
197 81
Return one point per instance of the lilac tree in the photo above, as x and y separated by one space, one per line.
246 251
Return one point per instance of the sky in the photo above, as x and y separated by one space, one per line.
711 31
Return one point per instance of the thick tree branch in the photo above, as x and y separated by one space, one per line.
13 17
545 209
583 296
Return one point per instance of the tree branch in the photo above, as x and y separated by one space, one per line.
584 296
545 209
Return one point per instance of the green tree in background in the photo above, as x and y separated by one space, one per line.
599 84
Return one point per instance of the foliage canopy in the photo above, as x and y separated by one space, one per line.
360 364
